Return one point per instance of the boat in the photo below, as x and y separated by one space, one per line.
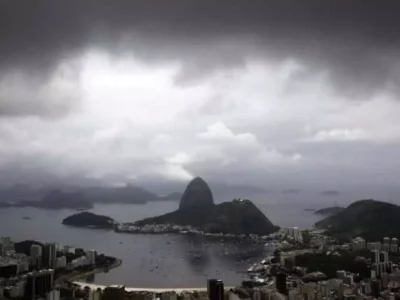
26 218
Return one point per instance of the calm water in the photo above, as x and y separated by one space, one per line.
151 260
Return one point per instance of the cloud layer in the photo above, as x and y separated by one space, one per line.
287 93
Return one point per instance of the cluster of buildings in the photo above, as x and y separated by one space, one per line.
31 275
292 282
172 228
54 256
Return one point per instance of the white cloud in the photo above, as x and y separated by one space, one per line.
135 123
180 158
338 135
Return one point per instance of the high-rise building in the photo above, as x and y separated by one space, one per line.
53 295
39 284
375 256
36 256
91 257
220 290
215 289
49 255
114 292
62 262
376 288
384 257
281 283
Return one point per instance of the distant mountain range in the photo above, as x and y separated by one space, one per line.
25 195
54 200
77 197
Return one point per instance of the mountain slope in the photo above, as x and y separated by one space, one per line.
369 219
197 209
329 211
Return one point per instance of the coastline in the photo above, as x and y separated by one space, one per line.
74 277
155 290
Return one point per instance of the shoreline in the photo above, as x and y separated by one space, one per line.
76 277
94 286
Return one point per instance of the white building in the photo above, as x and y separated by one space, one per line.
374 246
384 256
53 295
386 247
23 265
375 256
91 257
36 254
6 245
340 274
62 262
358 244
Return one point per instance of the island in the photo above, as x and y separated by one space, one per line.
90 220
55 200
197 210
369 219
329 211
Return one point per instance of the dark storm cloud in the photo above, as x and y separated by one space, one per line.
356 41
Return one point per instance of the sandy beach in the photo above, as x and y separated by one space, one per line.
137 289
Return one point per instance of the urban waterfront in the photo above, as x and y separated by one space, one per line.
151 260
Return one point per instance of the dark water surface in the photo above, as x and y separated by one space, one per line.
152 260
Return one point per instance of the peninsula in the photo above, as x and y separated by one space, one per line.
369 219
197 209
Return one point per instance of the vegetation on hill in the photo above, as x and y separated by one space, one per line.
239 217
369 219
330 263
329 211
88 219
197 209
236 217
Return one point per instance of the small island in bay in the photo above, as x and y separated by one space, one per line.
91 220
329 211
369 219
197 209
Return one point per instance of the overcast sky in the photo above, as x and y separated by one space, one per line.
271 93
